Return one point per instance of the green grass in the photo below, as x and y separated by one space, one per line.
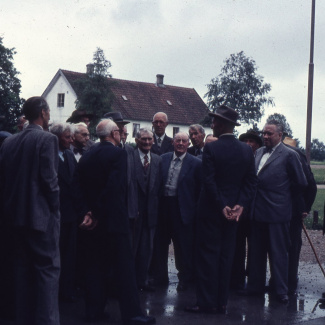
319 175
317 206
314 162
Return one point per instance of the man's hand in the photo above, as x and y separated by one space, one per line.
227 212
237 211
89 222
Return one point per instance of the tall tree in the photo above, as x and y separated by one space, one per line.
239 86
282 119
94 94
10 101
317 151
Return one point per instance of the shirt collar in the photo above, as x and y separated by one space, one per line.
181 157
162 137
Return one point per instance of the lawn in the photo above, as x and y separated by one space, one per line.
317 206
319 175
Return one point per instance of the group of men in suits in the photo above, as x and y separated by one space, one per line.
133 202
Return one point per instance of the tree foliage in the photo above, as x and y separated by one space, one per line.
94 94
10 101
282 119
240 87
317 151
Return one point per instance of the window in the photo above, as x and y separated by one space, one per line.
175 130
136 128
60 100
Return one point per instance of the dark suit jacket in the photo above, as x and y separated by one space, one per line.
166 146
29 182
189 184
192 151
228 176
102 175
152 192
281 172
67 188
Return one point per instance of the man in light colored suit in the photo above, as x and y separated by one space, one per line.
147 171
30 203
181 187
279 172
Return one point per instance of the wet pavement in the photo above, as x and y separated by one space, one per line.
167 305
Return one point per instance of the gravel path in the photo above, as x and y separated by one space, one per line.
318 241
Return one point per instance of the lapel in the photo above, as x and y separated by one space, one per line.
63 172
186 166
139 170
275 155
153 171
166 165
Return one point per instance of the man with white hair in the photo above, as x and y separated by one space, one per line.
102 175
162 142
80 140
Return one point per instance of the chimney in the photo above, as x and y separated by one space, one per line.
160 80
90 68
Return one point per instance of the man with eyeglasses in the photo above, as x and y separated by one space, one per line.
80 139
102 176
162 142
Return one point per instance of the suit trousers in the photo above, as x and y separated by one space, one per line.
172 228
294 252
216 239
271 239
106 255
37 271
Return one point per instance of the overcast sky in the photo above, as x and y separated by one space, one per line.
187 41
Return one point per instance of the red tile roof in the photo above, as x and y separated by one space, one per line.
145 99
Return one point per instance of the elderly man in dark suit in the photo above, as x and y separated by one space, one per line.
68 227
81 140
102 175
147 171
30 203
162 142
229 184
181 187
279 172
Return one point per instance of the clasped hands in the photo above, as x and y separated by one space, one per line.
89 222
233 213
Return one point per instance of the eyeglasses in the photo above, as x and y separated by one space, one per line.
85 134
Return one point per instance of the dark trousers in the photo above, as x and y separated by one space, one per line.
171 227
238 272
271 239
68 253
108 254
294 252
37 270
216 239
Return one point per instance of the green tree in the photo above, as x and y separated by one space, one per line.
282 119
94 94
240 87
10 101
317 151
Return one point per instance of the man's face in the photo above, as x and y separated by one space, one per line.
253 143
65 139
21 123
217 127
144 142
124 134
85 119
271 136
46 118
197 138
159 124
116 135
181 143
81 137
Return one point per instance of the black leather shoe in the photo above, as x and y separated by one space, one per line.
181 286
140 320
201 310
283 299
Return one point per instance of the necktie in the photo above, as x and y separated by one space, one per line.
159 142
267 150
145 162
78 150
177 162
197 152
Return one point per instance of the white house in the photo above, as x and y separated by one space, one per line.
137 101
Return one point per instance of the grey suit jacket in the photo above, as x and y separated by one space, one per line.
28 175
280 174
154 186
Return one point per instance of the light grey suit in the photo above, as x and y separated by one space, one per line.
271 217
30 203
146 199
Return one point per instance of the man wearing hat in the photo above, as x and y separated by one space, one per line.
80 115
229 184
251 138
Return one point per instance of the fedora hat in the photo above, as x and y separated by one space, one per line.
77 114
251 134
116 117
226 113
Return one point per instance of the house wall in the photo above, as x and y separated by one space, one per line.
61 114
